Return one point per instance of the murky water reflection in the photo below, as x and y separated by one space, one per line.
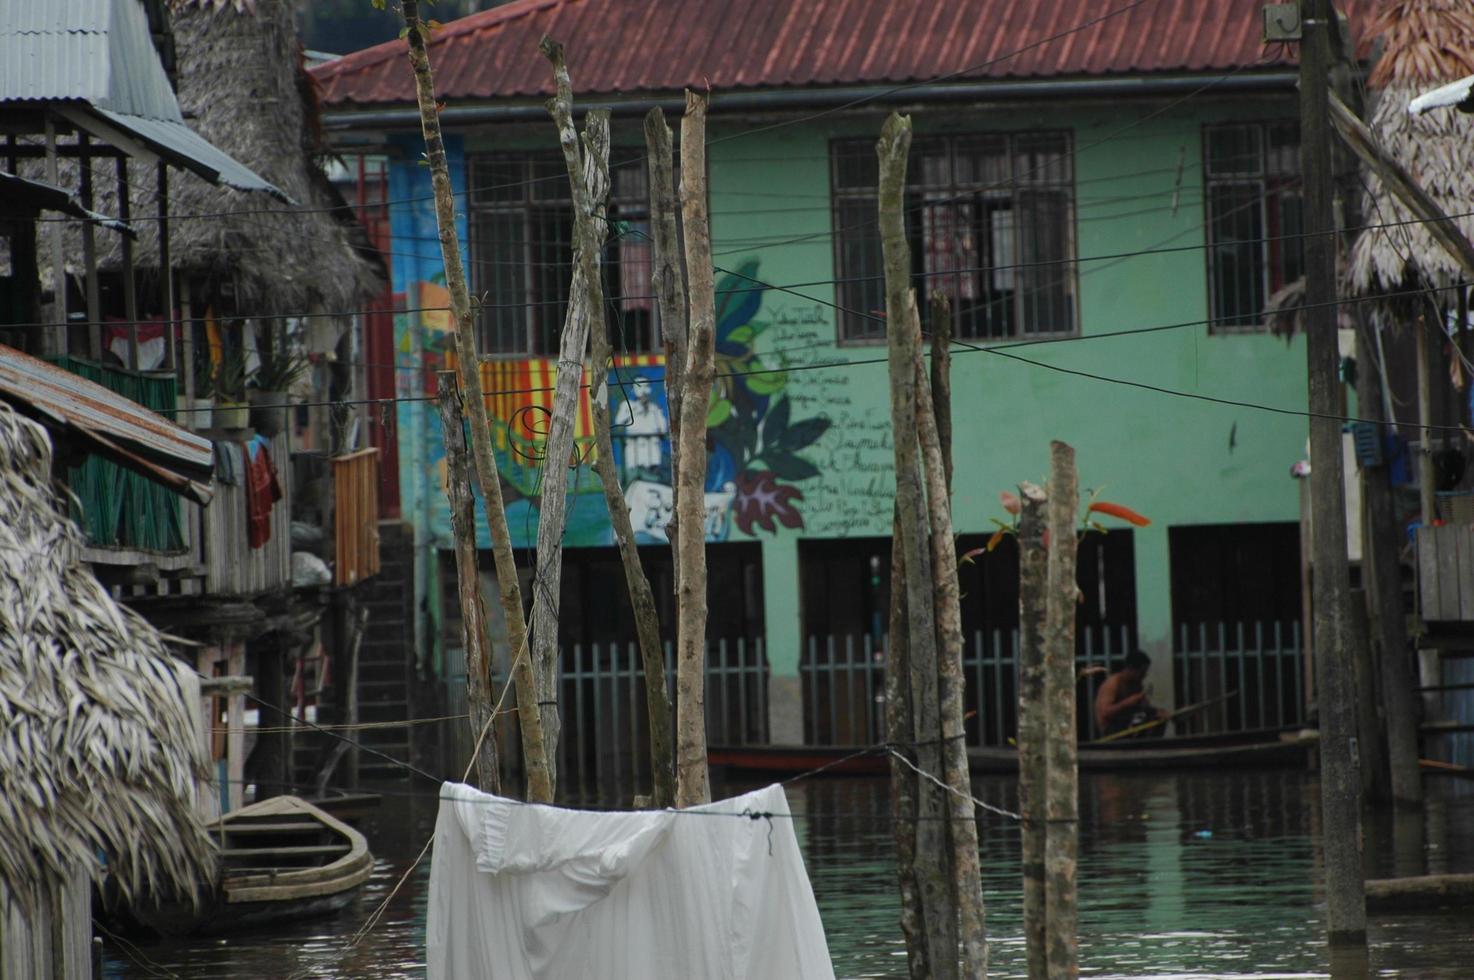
1181 876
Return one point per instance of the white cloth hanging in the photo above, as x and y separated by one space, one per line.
527 892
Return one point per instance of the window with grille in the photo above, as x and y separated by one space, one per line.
991 219
521 225
1255 214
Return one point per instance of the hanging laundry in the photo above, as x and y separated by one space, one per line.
528 892
262 490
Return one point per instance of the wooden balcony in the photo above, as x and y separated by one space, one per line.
232 566
355 517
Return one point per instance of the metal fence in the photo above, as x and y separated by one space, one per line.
1249 676
844 685
604 746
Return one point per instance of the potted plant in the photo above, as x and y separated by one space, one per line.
282 368
231 409
198 414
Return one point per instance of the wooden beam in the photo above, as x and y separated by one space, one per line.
56 339
130 286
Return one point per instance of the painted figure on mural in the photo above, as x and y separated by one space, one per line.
641 420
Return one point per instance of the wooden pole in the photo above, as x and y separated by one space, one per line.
934 881
130 274
1426 480
642 597
529 714
1061 839
585 294
1339 781
962 827
166 272
89 251
54 341
1032 720
1381 543
468 577
900 729
693 781
941 376
670 297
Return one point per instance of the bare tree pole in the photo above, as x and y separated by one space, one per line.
900 730
534 752
468 577
1340 784
1032 720
670 295
585 291
966 876
941 376
932 874
601 359
1062 808
693 780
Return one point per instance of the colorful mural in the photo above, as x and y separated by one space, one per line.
756 445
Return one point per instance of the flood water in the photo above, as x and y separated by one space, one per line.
1181 875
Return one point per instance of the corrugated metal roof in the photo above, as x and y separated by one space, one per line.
641 46
99 55
111 424
35 195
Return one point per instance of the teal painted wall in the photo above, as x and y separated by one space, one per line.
1169 457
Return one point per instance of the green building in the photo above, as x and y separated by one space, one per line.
1106 195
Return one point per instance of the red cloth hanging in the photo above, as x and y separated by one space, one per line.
262 490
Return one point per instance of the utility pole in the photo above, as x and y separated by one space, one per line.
1339 780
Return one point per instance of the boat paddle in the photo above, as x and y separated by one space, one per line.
1147 726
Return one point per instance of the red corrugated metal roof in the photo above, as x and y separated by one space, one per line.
642 46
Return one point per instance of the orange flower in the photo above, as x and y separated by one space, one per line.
1116 510
996 539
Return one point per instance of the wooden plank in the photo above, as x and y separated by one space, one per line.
1447 572
1427 574
1404 894
1465 535
287 827
235 738
300 850
345 880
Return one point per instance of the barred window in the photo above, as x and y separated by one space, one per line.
991 221
1255 215
521 225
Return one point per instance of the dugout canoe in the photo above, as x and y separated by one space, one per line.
1265 749
280 859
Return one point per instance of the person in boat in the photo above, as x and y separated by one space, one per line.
1121 702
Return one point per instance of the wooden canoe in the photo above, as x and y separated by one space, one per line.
282 858
285 858
1185 752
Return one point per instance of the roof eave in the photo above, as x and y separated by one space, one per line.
406 114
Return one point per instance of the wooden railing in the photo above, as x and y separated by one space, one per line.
355 516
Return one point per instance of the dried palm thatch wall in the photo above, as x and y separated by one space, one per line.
242 86
98 749
1427 43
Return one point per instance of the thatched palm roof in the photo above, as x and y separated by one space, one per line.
242 85
97 748
1427 43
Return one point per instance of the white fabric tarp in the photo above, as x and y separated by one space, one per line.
717 892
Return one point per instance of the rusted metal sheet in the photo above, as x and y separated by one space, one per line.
120 429
232 566
640 46
355 516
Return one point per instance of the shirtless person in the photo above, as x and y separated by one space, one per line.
1121 703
